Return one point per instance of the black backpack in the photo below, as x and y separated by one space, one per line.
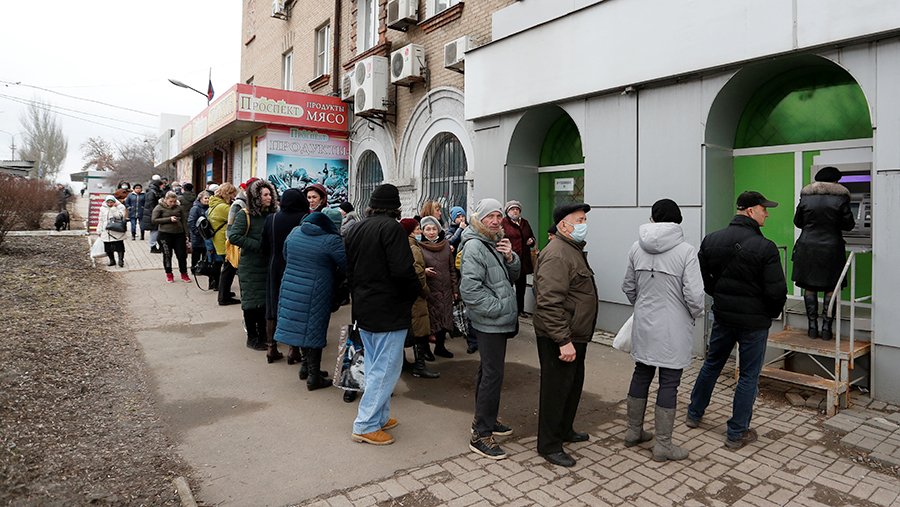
204 227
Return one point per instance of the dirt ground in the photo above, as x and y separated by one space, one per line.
78 423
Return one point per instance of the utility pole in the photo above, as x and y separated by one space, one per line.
12 145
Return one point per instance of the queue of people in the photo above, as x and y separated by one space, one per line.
405 274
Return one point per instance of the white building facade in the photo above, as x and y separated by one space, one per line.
622 102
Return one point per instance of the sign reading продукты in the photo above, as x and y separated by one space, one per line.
269 106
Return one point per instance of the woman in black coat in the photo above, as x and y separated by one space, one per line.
819 253
294 207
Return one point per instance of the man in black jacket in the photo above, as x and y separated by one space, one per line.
742 272
383 285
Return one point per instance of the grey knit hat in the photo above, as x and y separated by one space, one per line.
429 220
487 206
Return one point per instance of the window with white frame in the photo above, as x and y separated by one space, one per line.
322 35
438 6
366 25
287 70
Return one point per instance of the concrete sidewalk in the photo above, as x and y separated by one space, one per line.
256 436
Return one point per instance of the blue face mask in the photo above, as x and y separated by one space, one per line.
418 237
580 231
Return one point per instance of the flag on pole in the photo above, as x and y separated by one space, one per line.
210 93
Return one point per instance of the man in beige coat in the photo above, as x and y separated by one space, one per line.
564 322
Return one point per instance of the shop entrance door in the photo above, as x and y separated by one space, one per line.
556 185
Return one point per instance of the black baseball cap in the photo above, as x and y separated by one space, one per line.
750 199
563 211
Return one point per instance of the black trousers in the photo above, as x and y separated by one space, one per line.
489 380
561 386
669 379
197 253
521 286
173 243
226 278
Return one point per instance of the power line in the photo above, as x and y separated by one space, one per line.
27 101
45 108
19 83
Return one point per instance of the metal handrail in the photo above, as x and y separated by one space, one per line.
850 266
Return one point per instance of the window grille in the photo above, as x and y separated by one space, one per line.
444 172
370 176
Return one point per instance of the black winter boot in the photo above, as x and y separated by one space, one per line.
272 353
316 378
112 259
426 351
261 331
121 259
253 339
812 313
419 368
827 320
440 348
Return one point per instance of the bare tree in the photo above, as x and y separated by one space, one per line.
97 152
135 160
44 142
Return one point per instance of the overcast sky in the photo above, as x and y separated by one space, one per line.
117 52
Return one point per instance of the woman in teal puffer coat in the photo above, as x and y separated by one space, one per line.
314 258
247 233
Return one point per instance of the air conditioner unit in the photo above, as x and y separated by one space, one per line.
455 53
408 64
347 87
371 78
279 9
402 13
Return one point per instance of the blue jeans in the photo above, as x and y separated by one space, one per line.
135 223
752 346
383 362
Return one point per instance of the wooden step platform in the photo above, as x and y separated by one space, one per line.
800 379
797 341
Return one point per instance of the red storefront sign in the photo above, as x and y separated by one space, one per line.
270 106
96 200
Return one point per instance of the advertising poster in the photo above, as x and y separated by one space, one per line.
298 158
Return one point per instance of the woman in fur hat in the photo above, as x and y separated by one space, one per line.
819 253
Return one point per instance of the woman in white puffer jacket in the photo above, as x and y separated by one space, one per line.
664 284
112 211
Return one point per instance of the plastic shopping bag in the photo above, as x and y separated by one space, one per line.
349 371
98 249
622 341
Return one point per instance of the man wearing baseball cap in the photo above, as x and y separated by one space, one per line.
742 272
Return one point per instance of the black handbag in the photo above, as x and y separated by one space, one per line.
115 225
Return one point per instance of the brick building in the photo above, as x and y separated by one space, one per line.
413 132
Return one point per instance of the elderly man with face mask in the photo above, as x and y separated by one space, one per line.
564 321
489 267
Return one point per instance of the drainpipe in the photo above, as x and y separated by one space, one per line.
336 53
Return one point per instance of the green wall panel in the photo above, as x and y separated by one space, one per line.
549 198
773 176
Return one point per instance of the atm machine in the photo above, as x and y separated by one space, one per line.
857 178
